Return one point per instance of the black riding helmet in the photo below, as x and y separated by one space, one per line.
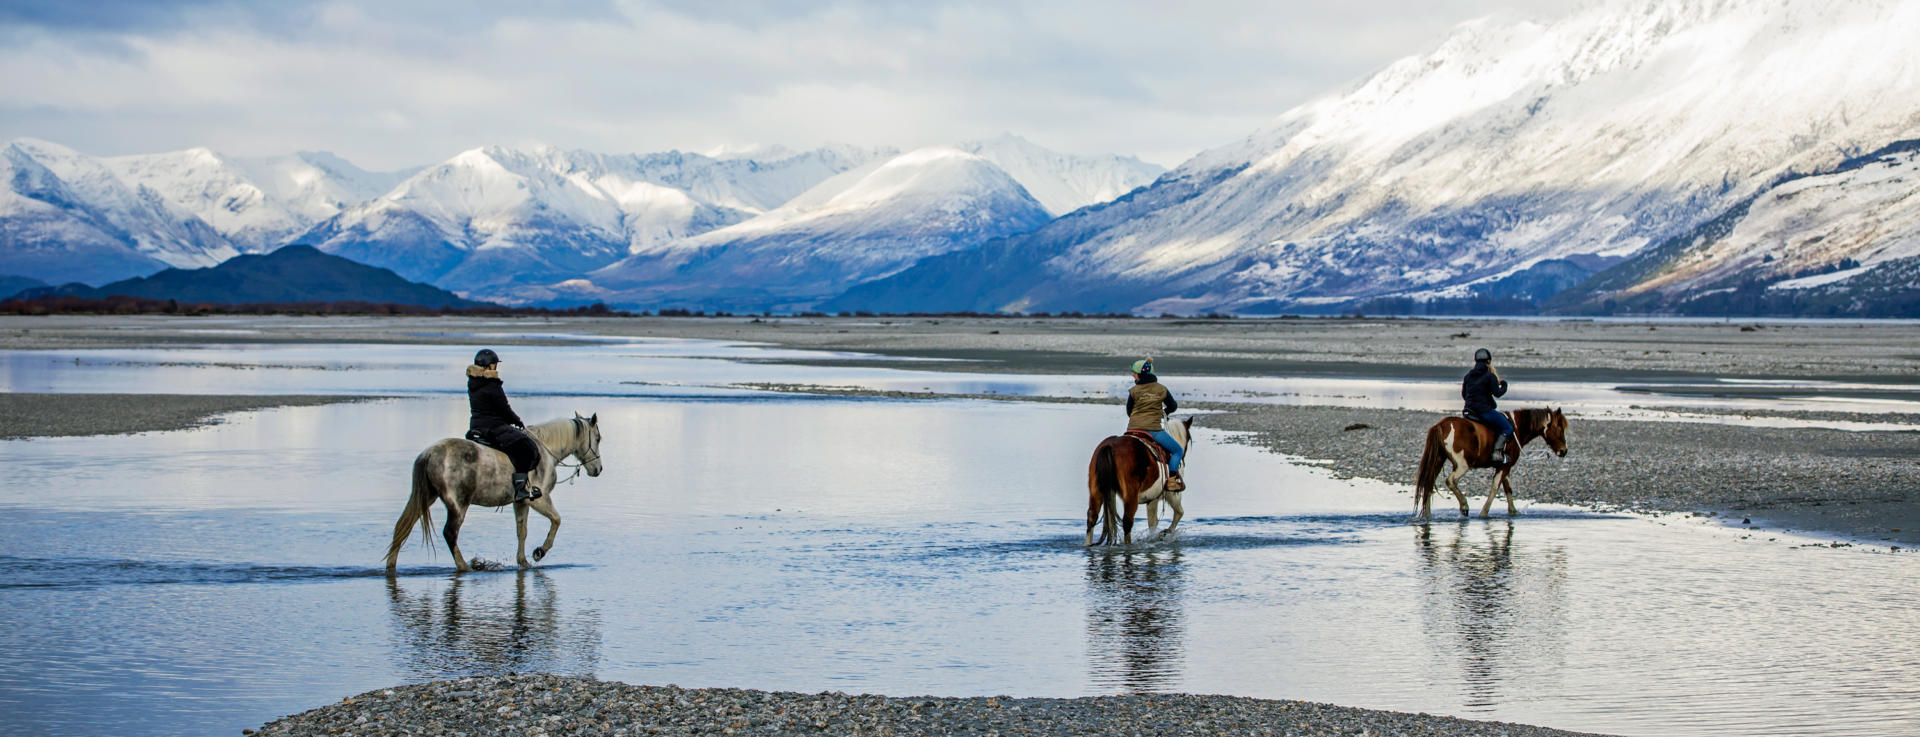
1482 355
485 358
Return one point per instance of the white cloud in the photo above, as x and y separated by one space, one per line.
396 84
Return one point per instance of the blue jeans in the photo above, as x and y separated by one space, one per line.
1174 451
1497 421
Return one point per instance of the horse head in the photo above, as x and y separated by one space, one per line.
1555 432
1182 432
589 431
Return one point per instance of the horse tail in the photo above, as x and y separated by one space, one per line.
419 510
1106 484
1431 461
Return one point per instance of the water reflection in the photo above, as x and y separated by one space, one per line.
489 624
1502 623
1135 635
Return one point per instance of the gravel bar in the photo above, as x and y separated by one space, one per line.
70 415
1861 485
539 705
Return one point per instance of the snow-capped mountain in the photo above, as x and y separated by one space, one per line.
66 217
257 203
866 223
495 217
1512 144
1800 246
1061 182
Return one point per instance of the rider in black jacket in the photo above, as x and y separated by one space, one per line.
495 423
1479 388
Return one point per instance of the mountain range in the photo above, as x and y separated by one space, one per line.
1674 156
1572 148
286 275
526 224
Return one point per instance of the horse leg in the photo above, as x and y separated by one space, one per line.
1453 485
1093 514
1486 510
1127 522
1153 512
520 529
455 515
1173 500
544 505
1506 482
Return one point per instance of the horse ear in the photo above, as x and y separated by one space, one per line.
594 420
1189 420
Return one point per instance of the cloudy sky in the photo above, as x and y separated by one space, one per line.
391 84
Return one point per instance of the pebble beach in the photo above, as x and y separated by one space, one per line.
562 706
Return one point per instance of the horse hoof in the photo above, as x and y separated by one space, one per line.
539 553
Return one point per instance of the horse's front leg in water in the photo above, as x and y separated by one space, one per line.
1486 510
452 534
1506 482
544 505
520 528
1153 512
1173 500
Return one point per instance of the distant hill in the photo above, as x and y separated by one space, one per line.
291 274
11 285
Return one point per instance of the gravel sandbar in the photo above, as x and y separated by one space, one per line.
538 704
68 415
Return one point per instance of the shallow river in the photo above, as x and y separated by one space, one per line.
204 581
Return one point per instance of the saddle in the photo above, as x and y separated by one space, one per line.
484 440
1153 446
1475 419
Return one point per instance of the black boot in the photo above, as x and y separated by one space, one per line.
520 493
1499 457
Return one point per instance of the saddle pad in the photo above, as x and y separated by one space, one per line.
1153 446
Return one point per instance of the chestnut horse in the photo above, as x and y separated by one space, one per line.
1124 470
1468 445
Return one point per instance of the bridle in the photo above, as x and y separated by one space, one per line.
579 427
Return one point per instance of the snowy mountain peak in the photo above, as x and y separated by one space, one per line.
1511 145
1061 182
68 217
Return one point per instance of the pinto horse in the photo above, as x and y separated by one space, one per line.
1469 445
1124 470
460 473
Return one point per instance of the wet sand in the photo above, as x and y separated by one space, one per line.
1624 353
69 415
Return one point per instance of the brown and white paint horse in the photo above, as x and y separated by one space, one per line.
1125 474
461 473
1468 445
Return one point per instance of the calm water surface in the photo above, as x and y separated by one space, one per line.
205 581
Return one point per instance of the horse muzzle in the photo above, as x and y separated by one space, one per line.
1561 452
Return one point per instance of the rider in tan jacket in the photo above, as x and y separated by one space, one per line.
1148 404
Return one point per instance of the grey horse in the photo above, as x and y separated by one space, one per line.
461 473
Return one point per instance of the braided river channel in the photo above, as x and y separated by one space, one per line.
208 580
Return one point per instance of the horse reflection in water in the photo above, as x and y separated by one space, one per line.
1134 627
490 625
1504 623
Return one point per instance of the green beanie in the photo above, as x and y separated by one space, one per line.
1143 366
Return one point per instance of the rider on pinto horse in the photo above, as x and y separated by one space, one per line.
1479 388
495 425
1148 404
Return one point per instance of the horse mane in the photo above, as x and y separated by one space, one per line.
1182 434
555 434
